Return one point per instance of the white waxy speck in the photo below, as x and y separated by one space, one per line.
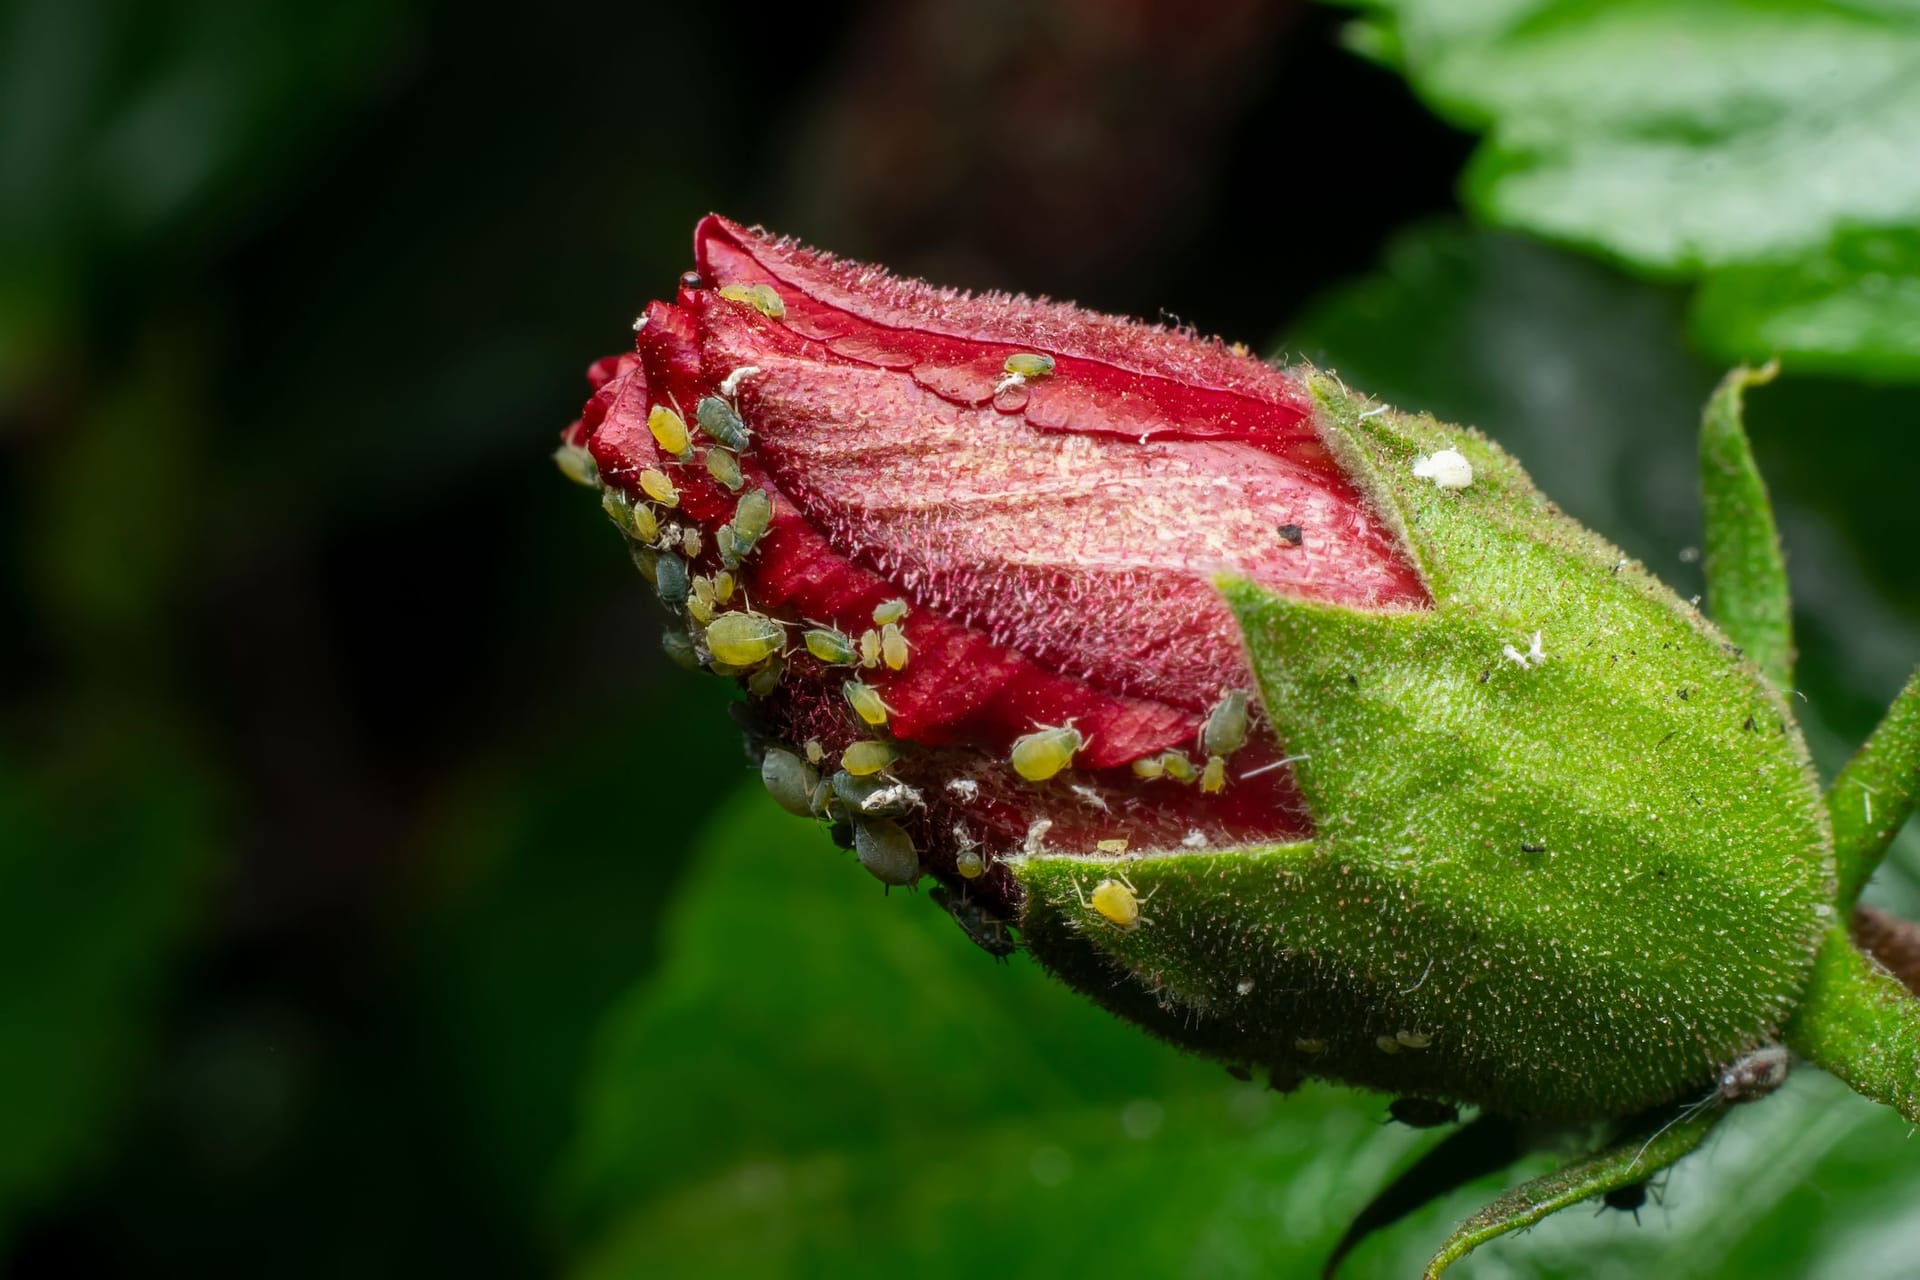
731 383
966 788
1092 797
1037 834
1196 839
1009 382
1374 412
1533 657
1448 469
639 323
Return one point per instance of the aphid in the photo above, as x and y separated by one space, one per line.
751 516
893 646
1628 1199
1213 778
1111 846
988 932
889 611
869 755
970 863
1755 1076
831 647
1387 1045
1311 1046
875 797
1029 364
670 580
760 297
865 701
703 588
1413 1039
645 559
725 469
885 849
670 431
1448 469
1039 755
1149 767
690 543
766 678
815 752
789 780
723 541
718 419
743 639
577 465
619 509
1177 766
869 648
657 486
1116 901
1423 1113
678 645
1226 729
723 586
1291 534
646 525
701 611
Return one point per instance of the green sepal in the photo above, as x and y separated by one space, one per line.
1873 796
1746 571
1532 864
1857 1022
1647 1149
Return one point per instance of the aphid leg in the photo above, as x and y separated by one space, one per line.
1643 1152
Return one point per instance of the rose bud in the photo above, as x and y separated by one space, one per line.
1306 733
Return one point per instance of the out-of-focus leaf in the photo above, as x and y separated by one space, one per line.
101 870
1691 136
1852 309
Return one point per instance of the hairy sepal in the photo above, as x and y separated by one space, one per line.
1570 878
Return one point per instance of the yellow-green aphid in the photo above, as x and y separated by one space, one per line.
1111 846
1116 900
893 645
866 703
789 780
718 420
646 560
889 611
1177 766
743 639
701 611
690 543
760 297
1226 727
886 850
869 755
970 863
670 580
619 509
657 486
1039 755
815 752
766 678
723 541
670 431
1214 777
869 648
678 645
723 586
751 516
831 647
1149 767
703 588
646 525
1029 364
725 468
577 465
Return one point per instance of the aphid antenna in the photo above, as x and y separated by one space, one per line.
1375 412
1686 1113
1269 768
1424 975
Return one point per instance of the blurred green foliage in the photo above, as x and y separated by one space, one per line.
375 900
1765 147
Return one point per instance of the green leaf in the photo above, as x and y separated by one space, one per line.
1746 572
1689 136
95 899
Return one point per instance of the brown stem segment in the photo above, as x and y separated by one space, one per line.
1894 942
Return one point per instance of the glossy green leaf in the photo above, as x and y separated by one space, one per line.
1691 136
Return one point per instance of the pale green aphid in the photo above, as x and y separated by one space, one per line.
671 581
789 780
577 465
886 850
725 469
718 419
866 702
761 297
832 647
744 639
1043 753
751 516
889 611
1226 729
870 755
1543 882
1029 364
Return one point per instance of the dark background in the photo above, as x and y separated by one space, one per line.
352 783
